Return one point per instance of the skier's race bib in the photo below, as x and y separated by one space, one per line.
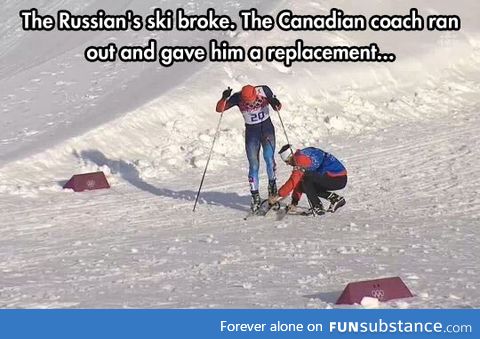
255 112
252 118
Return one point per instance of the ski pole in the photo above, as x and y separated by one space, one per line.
288 142
283 126
208 160
286 137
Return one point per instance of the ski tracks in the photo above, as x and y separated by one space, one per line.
412 210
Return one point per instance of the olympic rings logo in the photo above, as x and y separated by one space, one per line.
379 294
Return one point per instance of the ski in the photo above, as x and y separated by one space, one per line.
259 212
264 210
274 207
250 214
281 214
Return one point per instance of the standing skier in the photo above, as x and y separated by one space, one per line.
253 102
315 173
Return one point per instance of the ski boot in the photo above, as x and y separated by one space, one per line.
315 210
273 192
336 202
256 202
272 188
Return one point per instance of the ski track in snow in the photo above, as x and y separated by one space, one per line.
413 211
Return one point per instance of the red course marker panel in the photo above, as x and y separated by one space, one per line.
87 182
383 289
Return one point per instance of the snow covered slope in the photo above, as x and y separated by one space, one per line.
50 93
408 133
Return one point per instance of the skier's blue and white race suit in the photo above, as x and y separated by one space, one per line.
259 131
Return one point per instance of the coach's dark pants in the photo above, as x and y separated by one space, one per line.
315 185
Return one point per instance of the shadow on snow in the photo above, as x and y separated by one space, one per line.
130 173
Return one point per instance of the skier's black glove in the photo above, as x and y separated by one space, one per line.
226 93
276 104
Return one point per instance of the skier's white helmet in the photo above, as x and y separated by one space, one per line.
286 152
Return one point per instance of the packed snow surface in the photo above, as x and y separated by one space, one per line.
408 133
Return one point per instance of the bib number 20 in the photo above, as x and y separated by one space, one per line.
254 117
